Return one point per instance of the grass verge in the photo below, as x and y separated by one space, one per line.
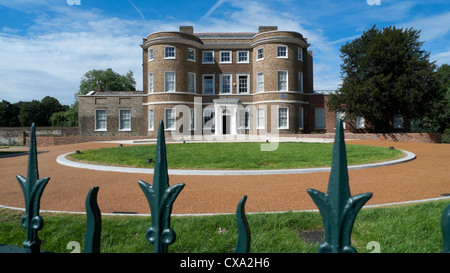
232 156
402 229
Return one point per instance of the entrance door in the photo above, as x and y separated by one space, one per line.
226 124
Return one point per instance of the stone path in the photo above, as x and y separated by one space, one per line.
428 176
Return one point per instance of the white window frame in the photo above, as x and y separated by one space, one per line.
247 54
278 80
300 82
121 119
204 54
287 118
211 115
322 124
300 118
360 123
174 113
151 82
192 77
280 56
244 117
258 58
193 59
174 81
398 122
221 61
260 82
170 57
221 83
300 54
151 122
213 84
97 128
151 54
238 84
260 118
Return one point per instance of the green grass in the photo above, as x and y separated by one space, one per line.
236 155
402 229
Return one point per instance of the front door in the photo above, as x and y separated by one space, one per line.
226 124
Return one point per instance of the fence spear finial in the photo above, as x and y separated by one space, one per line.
337 207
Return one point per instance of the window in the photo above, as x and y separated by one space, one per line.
208 84
244 118
208 119
192 119
319 118
192 88
169 119
169 81
243 57
260 54
100 120
300 54
208 57
283 118
124 120
261 118
225 83
225 57
243 83
169 52
340 115
150 54
150 83
300 118
398 121
260 82
151 120
191 54
282 80
300 82
282 52
359 123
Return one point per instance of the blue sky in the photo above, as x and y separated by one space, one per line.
46 46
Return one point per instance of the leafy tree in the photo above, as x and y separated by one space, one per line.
385 72
9 114
111 81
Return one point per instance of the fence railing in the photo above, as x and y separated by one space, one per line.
337 207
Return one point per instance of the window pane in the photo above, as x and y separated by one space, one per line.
208 56
150 119
319 116
170 81
125 119
225 57
282 118
243 56
150 83
260 53
260 82
191 54
226 83
191 83
243 83
281 51
169 52
282 80
261 118
170 118
100 119
208 84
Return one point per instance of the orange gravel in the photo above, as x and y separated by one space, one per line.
428 176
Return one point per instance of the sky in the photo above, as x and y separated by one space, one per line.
46 46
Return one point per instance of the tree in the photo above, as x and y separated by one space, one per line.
9 114
111 81
385 72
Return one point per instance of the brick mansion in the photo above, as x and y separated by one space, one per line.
216 83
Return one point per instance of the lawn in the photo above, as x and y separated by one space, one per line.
231 156
402 229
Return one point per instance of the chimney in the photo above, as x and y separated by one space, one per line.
187 29
99 86
267 28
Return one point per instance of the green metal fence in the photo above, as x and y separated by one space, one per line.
337 207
